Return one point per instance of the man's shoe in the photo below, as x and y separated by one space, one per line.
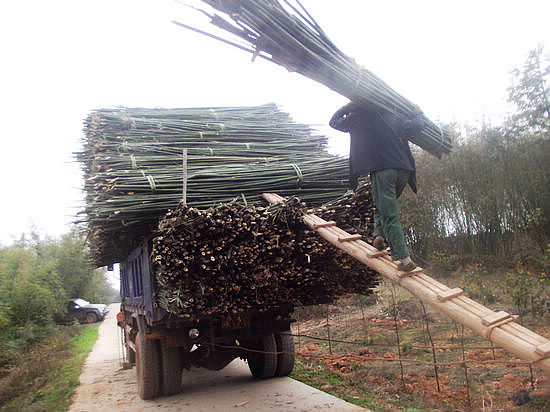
406 265
379 243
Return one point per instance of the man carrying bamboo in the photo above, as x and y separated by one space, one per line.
380 148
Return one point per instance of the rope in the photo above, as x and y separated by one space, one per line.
372 358
300 179
124 146
383 345
152 183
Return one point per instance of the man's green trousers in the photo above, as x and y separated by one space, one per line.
387 186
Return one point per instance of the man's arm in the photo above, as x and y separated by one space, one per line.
339 120
413 125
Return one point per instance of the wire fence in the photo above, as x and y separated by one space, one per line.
407 339
345 339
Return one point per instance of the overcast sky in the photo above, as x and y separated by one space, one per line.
62 58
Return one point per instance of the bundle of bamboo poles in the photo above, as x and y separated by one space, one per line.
284 33
232 259
132 162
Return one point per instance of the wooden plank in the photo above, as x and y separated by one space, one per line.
449 294
493 318
349 238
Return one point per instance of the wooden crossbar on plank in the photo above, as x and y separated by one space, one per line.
413 272
377 254
349 238
494 318
498 324
330 223
449 294
543 350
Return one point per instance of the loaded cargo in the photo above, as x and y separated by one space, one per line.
216 276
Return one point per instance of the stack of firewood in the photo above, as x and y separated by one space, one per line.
231 259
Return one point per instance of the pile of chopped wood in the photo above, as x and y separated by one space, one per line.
231 259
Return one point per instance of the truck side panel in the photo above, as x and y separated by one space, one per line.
137 284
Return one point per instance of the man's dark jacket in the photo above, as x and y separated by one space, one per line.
379 139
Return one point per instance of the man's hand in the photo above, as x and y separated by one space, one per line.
340 119
353 182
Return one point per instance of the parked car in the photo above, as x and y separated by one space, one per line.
86 312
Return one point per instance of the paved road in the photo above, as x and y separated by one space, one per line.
105 386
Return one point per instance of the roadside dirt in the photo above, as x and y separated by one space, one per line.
106 386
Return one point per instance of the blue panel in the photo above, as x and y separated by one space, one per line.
137 275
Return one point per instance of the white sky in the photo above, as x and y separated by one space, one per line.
62 58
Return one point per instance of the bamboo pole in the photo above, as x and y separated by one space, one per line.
184 182
497 327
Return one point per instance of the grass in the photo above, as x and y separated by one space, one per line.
316 375
47 376
57 394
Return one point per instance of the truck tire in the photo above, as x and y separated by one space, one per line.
263 365
171 369
147 367
285 360
130 354
91 317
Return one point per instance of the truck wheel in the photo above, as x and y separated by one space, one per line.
147 367
130 355
171 367
285 360
91 317
263 365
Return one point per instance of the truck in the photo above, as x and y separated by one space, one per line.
162 345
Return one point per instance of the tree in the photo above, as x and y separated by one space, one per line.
530 93
38 276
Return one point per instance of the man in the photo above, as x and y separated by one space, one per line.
380 147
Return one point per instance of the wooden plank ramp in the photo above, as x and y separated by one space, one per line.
497 327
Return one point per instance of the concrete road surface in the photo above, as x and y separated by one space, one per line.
105 386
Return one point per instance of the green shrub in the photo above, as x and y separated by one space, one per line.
30 303
476 285
445 261
528 291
